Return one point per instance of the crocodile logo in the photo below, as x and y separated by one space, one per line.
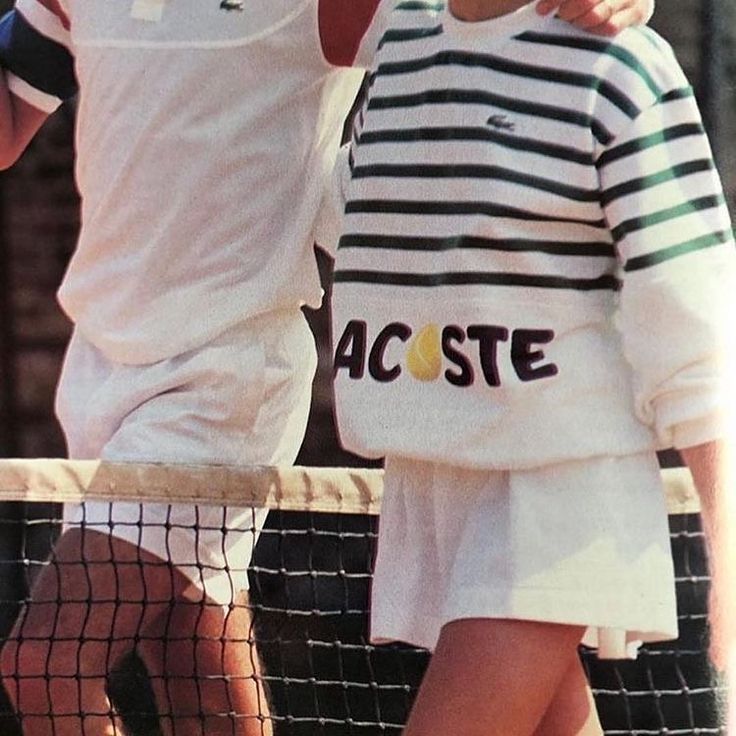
500 122
231 5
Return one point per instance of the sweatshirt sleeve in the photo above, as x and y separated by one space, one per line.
350 30
666 209
35 52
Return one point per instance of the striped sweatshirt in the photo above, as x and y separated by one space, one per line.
536 262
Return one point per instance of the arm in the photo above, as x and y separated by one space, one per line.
347 25
36 71
605 17
19 122
666 211
711 465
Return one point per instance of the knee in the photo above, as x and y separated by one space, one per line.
9 661
194 638
24 667
40 658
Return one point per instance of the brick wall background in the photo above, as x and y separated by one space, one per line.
39 221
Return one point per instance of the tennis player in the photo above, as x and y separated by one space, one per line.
199 122
534 290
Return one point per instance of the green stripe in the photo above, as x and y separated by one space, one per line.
586 43
413 207
655 139
593 249
418 5
530 145
481 97
671 213
408 34
475 171
519 69
681 93
675 251
646 182
605 282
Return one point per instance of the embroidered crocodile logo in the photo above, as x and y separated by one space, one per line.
500 122
231 5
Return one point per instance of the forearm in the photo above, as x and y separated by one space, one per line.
19 122
7 135
712 468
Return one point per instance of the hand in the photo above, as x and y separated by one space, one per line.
604 17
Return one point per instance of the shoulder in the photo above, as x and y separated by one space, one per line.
641 58
352 30
342 26
638 61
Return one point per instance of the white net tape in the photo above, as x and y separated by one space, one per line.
329 490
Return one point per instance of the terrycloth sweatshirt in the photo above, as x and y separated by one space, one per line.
537 262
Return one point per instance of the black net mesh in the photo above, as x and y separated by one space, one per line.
310 582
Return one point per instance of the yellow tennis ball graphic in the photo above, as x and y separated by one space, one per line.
424 357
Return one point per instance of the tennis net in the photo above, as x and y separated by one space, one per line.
309 590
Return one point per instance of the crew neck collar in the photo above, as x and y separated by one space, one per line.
523 19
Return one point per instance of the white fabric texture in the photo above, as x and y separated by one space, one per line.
243 399
203 141
582 543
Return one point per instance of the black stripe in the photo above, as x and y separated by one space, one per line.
412 207
419 5
674 251
682 93
519 69
593 249
671 213
588 43
399 35
645 182
531 145
469 278
640 144
475 171
481 97
36 59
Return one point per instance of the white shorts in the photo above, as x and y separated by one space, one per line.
583 543
241 399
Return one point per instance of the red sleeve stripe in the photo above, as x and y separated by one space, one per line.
342 26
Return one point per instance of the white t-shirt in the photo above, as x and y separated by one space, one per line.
204 133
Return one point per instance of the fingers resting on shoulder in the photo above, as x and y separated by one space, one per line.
604 17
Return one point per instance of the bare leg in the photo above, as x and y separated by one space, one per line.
212 670
493 677
572 711
88 608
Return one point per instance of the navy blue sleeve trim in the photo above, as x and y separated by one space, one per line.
41 62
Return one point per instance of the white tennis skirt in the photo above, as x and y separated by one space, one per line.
583 543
